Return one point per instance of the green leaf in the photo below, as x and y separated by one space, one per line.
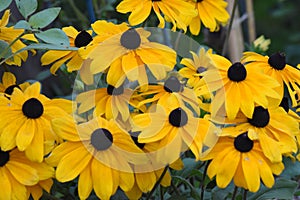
26 7
22 24
4 46
189 165
4 4
54 36
283 189
44 17
194 192
292 168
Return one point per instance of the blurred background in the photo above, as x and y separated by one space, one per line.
275 19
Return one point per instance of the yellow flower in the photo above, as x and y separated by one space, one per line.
16 172
262 43
72 58
176 130
195 67
239 87
242 160
27 121
211 13
9 34
9 82
274 129
171 9
129 53
171 91
99 152
111 102
276 67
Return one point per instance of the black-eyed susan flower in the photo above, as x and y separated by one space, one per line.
133 54
9 34
9 82
176 130
110 102
17 173
273 128
171 9
99 152
27 121
241 159
210 13
73 61
195 67
171 91
239 87
276 67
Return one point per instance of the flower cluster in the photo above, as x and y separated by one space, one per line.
143 106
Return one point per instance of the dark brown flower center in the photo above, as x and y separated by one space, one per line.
101 139
111 90
178 117
285 104
277 61
237 72
4 157
130 39
9 90
82 39
242 143
172 84
198 1
201 70
134 137
260 117
33 108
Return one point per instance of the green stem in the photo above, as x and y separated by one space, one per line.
229 27
8 47
161 193
245 195
175 188
203 180
157 182
234 193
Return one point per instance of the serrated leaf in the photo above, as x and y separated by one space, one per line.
283 189
4 4
22 24
4 46
54 36
44 17
26 7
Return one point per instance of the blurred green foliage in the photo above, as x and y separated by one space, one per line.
278 20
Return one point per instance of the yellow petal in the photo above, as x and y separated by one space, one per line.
5 184
23 173
102 173
85 184
72 164
26 134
